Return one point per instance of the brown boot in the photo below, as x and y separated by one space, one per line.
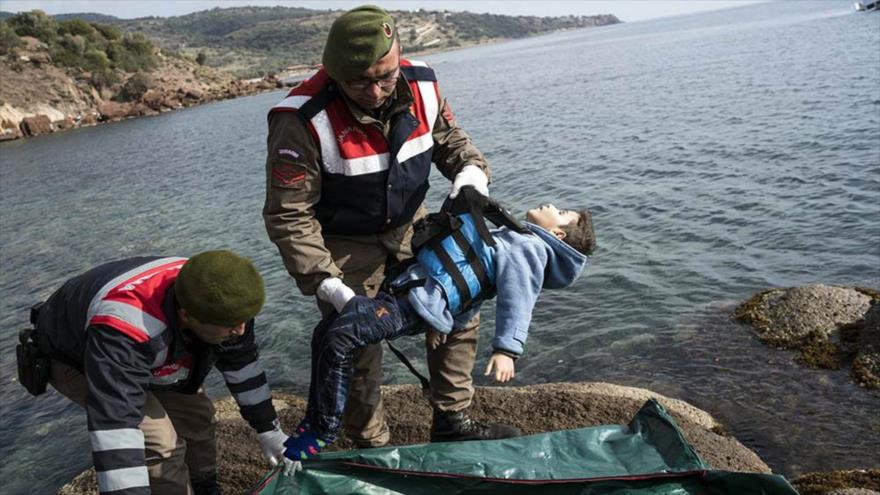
456 426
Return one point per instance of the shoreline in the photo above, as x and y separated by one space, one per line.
154 102
164 100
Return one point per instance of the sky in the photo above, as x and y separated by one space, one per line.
625 10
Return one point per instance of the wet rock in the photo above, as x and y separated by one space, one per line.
140 110
112 110
10 134
90 118
848 482
534 409
193 94
153 99
36 125
866 364
65 123
830 326
793 314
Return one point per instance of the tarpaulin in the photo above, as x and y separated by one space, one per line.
648 456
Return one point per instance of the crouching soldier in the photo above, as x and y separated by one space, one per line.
132 342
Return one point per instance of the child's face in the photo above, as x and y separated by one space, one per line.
552 218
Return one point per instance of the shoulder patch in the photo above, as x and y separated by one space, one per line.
288 152
286 174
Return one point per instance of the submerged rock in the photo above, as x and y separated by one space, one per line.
534 409
831 327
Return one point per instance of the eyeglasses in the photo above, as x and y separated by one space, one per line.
383 83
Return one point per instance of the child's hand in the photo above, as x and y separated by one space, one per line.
435 338
503 366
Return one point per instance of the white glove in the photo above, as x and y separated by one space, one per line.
291 467
272 445
470 175
335 292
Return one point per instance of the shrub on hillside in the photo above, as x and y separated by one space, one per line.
96 60
132 53
108 31
135 87
76 27
103 79
8 38
80 44
35 23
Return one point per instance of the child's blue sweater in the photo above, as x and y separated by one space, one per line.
524 264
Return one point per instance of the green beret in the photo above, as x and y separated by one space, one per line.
220 288
357 39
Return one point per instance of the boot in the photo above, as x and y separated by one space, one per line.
206 486
456 426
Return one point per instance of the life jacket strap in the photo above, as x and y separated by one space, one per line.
426 385
464 291
473 260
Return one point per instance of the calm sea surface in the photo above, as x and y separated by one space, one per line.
722 154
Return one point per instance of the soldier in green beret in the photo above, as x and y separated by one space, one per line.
132 341
349 155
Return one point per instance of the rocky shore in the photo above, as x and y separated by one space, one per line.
535 409
830 327
41 98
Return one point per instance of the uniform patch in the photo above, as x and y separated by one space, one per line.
173 371
288 175
381 311
288 152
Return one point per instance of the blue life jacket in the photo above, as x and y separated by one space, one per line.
462 263
455 247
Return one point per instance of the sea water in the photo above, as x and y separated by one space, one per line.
721 153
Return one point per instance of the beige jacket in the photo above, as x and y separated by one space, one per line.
293 181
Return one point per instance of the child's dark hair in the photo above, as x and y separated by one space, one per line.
581 235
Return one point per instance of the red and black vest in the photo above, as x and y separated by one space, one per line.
368 183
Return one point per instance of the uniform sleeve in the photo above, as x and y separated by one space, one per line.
117 371
293 187
239 363
519 277
453 148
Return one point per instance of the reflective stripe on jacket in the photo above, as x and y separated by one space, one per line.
117 323
369 183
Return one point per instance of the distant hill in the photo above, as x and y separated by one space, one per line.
254 41
88 17
76 69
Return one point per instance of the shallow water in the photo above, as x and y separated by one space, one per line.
722 154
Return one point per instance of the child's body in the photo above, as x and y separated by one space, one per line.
425 298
